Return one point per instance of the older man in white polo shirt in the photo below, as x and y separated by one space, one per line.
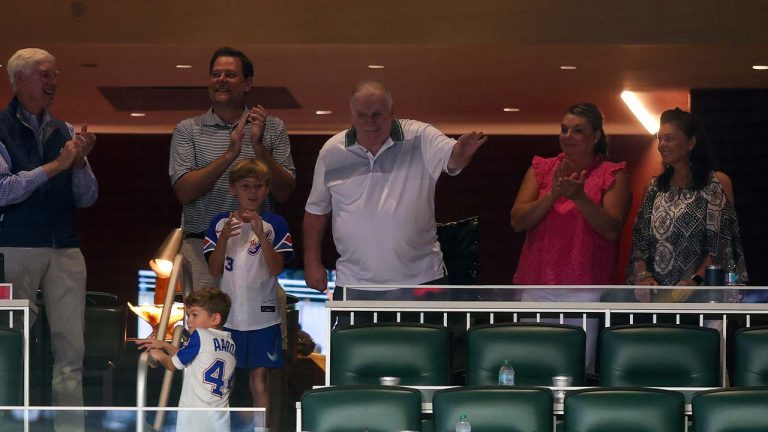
377 181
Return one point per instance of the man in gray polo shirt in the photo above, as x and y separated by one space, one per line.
204 147
376 181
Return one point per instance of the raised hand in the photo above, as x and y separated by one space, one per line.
252 217
465 149
236 139
257 226
231 228
557 174
572 187
69 153
470 142
258 117
86 141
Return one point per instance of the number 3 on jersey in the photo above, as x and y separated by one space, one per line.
214 375
228 262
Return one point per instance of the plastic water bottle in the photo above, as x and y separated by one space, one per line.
506 374
463 424
731 274
732 279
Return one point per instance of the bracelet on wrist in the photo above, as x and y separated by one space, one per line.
698 280
642 275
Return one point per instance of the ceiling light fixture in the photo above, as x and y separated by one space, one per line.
183 66
568 67
760 67
138 114
375 66
650 123
511 109
323 112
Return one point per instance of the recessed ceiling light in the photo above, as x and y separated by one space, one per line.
568 67
511 109
138 114
183 66
650 123
323 112
760 67
375 66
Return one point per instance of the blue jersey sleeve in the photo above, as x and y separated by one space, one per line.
282 242
211 235
190 350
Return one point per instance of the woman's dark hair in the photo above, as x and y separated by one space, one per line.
700 158
593 115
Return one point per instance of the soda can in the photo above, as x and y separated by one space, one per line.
714 275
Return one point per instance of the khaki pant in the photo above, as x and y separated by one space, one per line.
61 275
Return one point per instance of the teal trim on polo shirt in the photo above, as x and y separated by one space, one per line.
396 133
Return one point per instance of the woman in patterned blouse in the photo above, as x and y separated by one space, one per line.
686 220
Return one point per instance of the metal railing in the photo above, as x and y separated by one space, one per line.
146 361
475 312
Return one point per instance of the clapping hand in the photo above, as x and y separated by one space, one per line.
68 154
253 217
85 142
231 228
571 187
236 138
258 117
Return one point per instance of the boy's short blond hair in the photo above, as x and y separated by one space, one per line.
249 168
212 300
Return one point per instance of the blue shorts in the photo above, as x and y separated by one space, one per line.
258 348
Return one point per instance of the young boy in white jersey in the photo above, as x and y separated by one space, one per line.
208 360
249 251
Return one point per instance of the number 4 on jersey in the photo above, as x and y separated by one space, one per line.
214 375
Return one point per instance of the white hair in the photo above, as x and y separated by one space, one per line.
24 60
373 86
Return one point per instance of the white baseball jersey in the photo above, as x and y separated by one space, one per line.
208 360
246 277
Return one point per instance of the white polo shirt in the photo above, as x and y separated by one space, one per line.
383 206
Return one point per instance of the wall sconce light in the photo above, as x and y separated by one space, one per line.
649 122
162 263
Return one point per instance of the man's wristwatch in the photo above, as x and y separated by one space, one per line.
698 280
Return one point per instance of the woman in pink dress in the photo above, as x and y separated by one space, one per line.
573 208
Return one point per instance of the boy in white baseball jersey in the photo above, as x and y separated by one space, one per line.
208 360
249 251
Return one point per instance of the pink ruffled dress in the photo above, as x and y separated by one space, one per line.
563 249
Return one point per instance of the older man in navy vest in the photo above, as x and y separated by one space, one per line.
44 178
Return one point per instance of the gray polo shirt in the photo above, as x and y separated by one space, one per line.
200 140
